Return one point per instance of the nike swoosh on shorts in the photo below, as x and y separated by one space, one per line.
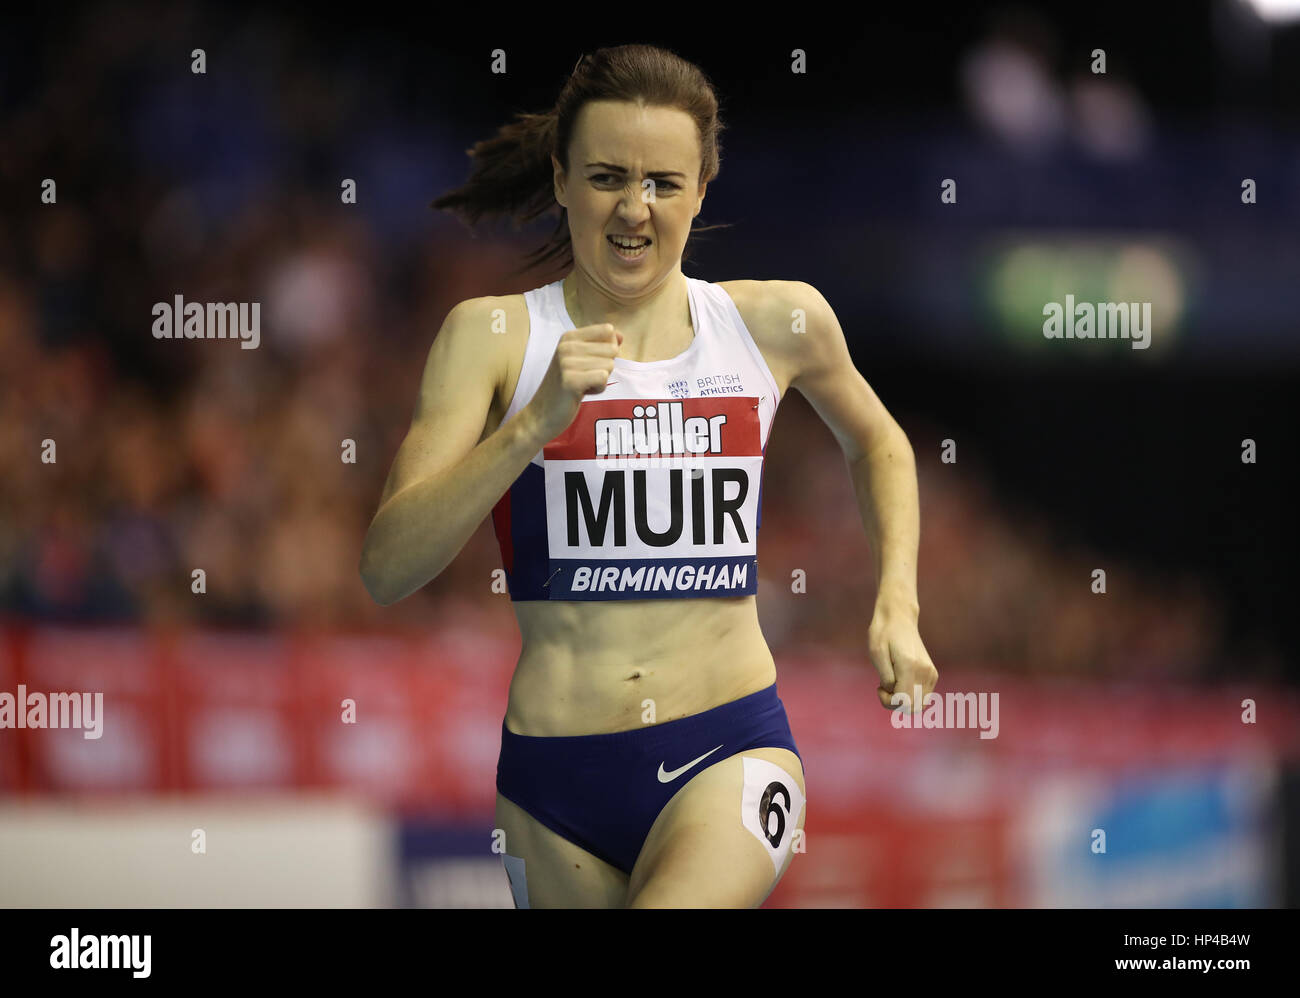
669 777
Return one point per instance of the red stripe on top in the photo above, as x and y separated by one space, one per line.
739 435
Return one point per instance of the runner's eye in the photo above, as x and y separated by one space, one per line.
659 184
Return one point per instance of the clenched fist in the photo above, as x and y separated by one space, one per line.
582 364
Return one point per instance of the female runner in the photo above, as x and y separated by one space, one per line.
613 423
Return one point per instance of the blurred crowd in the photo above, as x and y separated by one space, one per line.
130 462
239 471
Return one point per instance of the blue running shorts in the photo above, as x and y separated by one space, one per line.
603 792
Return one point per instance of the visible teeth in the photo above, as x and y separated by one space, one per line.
629 243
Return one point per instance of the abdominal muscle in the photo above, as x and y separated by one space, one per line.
588 667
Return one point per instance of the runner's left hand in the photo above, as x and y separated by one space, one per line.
900 659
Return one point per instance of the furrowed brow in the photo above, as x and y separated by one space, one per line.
653 173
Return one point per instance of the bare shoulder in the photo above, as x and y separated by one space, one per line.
771 310
495 314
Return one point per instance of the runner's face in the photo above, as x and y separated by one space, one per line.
634 172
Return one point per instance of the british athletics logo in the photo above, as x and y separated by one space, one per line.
654 498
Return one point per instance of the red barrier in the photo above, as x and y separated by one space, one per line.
896 817
414 722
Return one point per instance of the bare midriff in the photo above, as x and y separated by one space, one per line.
590 667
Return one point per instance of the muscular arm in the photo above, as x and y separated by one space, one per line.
442 484
881 463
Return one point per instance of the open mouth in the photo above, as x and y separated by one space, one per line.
629 247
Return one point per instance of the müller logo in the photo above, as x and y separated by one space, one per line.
660 429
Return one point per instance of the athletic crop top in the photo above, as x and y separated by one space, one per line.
655 489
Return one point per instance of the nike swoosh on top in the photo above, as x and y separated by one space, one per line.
669 777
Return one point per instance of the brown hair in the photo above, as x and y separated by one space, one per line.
512 173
